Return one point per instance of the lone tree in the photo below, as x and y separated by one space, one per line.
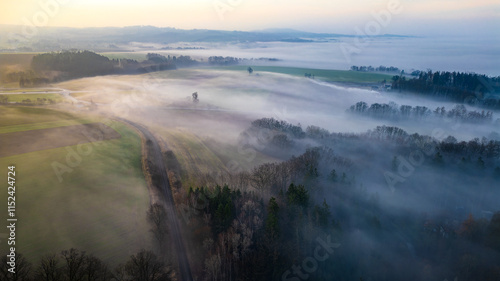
195 97
74 268
250 70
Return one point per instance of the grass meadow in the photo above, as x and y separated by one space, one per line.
342 76
99 206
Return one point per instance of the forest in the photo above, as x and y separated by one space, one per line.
219 60
278 217
392 111
59 66
471 88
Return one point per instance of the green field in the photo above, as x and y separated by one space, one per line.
23 115
343 76
44 125
195 158
100 204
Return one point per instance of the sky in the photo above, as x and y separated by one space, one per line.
409 17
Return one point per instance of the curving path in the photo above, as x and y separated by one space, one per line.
157 160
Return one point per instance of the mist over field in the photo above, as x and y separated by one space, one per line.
422 52
292 99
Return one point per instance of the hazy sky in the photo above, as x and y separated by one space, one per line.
418 17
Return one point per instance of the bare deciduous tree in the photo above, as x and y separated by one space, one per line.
145 266
157 216
95 269
48 269
74 269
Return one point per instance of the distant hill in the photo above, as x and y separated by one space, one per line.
57 38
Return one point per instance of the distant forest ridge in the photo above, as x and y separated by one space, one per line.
48 38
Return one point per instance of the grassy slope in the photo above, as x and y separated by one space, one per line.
328 75
17 115
99 206
199 157
44 125
195 158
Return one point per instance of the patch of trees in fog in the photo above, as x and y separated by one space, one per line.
219 60
248 235
265 224
174 61
375 69
393 111
26 78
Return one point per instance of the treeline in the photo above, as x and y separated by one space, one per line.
455 86
375 69
59 66
173 61
279 125
76 265
73 64
239 230
271 217
476 150
26 78
393 111
276 228
219 60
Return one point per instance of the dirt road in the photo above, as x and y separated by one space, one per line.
157 160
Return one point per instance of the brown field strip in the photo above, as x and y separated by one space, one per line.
35 140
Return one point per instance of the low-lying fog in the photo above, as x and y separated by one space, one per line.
391 202
230 96
420 53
